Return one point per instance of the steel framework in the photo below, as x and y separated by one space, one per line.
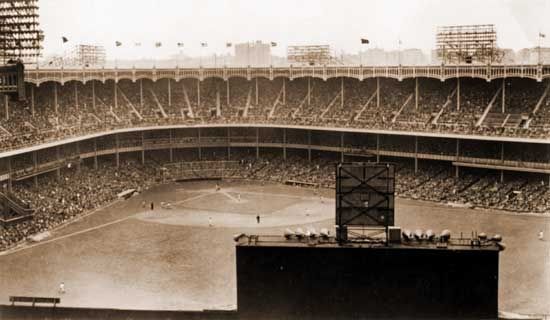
20 36
309 55
468 44
364 198
84 55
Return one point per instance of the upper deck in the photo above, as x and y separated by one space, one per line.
488 72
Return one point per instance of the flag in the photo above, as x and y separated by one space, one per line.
273 44
64 39
137 44
180 44
228 44
118 43
204 44
158 44
364 41
542 35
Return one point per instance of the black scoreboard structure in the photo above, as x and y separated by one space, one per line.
360 274
364 200
12 81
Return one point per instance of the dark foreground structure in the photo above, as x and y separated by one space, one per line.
315 278
309 276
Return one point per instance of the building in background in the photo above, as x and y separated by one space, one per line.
381 57
531 55
508 56
256 54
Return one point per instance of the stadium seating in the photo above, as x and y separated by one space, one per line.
74 108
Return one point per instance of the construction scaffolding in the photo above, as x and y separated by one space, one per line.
20 36
468 44
309 55
84 55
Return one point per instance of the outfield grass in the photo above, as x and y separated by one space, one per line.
126 256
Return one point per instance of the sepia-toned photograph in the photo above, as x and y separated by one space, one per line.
274 159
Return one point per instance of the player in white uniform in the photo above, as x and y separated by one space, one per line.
62 288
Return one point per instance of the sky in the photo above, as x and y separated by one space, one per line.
339 23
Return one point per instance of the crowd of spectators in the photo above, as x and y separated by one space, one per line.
434 182
58 199
55 111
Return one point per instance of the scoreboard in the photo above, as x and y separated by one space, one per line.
12 80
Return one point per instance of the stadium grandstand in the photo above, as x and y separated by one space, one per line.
169 178
455 131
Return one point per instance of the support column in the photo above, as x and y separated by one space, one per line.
171 146
10 174
228 143
416 93
93 95
457 94
342 147
6 107
142 148
257 142
58 157
377 147
35 164
284 143
95 153
32 100
227 91
198 94
257 91
309 145
503 95
415 154
141 94
502 152
55 96
308 90
284 91
199 140
115 96
342 94
169 93
117 153
76 95
78 153
378 92
457 173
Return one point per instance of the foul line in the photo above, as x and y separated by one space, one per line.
63 237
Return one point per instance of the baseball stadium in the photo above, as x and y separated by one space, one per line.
124 188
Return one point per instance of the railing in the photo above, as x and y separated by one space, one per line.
537 72
23 210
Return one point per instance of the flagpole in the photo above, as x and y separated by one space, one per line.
399 53
539 58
